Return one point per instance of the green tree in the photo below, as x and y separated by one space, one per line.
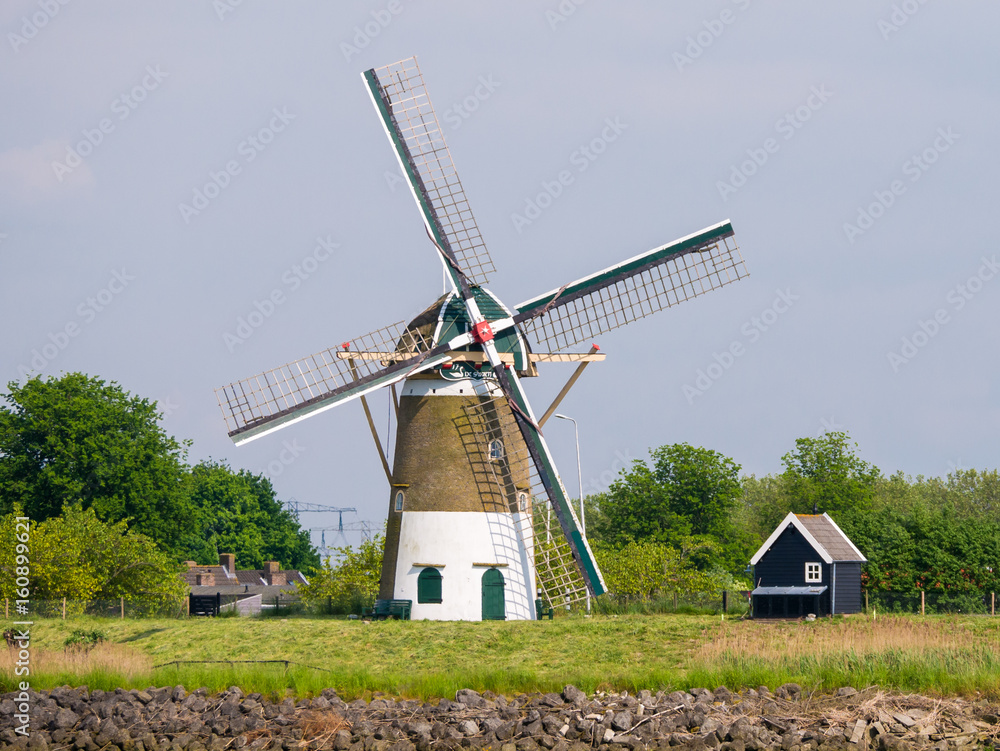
78 439
238 512
684 499
826 472
80 557
350 584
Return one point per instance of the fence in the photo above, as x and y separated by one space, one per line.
931 603
120 608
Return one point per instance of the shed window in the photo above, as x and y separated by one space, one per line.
399 500
496 450
429 585
814 572
522 501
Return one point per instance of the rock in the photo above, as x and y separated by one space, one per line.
470 698
622 721
846 691
723 694
178 694
789 691
468 727
65 718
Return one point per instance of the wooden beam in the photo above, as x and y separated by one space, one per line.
395 402
565 389
507 357
378 443
371 424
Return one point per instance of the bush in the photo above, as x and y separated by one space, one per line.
85 639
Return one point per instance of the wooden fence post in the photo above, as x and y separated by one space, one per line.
6 608
866 600
922 612
64 608
123 608
993 603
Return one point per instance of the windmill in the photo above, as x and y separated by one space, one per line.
478 521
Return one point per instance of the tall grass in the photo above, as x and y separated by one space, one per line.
938 656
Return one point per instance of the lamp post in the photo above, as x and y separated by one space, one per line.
579 474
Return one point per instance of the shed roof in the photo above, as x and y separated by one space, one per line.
789 590
822 533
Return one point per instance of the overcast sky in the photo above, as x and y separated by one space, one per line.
165 168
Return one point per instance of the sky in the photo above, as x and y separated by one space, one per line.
195 192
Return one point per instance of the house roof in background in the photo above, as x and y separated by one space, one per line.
821 532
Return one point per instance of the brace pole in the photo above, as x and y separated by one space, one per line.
565 389
395 400
371 426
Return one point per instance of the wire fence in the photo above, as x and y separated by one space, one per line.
733 603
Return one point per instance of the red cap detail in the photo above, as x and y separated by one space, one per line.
595 347
346 345
446 366
482 332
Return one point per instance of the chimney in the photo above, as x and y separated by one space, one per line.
229 561
273 575
206 579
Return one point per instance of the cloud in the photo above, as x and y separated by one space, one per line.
27 174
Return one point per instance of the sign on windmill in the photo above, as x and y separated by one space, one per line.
479 524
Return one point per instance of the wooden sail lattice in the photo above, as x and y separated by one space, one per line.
558 577
618 296
402 90
291 386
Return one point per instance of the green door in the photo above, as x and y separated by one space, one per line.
493 603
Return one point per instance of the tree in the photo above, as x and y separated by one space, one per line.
352 583
826 473
76 439
79 557
237 512
685 500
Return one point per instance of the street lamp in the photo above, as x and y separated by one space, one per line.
579 473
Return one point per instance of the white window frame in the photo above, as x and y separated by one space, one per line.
522 501
814 573
399 500
495 450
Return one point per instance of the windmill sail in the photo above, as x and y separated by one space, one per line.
549 528
400 96
274 399
634 289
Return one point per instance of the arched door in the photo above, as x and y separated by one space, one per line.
493 599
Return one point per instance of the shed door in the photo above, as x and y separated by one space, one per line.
493 600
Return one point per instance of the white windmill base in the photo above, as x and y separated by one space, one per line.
463 546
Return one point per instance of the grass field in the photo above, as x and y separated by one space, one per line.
938 655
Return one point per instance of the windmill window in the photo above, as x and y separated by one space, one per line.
399 501
522 501
496 450
429 585
814 572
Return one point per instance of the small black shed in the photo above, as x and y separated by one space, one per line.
808 565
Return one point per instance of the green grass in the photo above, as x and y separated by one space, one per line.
938 655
